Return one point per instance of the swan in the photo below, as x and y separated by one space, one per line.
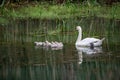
59 44
56 44
38 43
47 43
53 45
88 42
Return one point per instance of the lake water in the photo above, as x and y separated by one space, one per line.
20 59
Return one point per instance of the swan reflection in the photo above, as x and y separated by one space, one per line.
87 51
80 56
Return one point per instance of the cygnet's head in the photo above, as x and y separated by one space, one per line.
78 28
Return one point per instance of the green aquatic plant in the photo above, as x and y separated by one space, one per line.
50 11
54 32
3 20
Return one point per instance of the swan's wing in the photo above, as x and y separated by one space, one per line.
90 40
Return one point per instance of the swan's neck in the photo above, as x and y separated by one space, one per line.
79 36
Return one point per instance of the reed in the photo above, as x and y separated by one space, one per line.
63 30
47 11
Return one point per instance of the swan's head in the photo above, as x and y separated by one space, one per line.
78 28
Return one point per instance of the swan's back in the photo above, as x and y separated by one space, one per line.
87 41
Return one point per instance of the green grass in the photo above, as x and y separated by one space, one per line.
46 11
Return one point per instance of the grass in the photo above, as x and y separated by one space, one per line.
46 11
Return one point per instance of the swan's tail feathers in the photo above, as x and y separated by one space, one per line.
102 39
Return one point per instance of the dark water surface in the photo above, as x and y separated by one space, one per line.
20 59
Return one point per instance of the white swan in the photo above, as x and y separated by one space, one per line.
38 43
88 42
56 44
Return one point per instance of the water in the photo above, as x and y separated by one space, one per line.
20 59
